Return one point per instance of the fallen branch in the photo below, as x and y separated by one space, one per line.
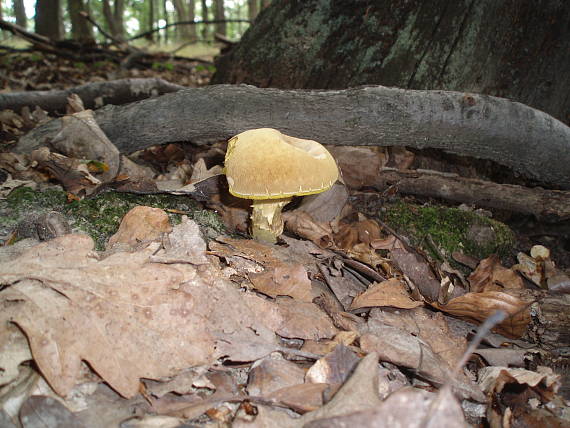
529 141
114 92
545 205
174 24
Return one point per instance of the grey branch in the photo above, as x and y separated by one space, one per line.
527 140
120 91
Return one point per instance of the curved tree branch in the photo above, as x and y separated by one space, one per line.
529 141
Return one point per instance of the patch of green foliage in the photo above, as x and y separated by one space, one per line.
99 217
209 68
449 229
162 66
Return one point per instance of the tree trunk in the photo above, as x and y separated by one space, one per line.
81 29
114 18
182 31
192 17
20 12
151 19
48 18
219 14
252 9
165 10
506 48
529 141
204 18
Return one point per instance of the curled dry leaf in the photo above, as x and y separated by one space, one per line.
82 138
419 272
334 368
284 280
71 173
490 275
403 349
303 225
269 375
326 206
359 165
140 225
387 293
477 307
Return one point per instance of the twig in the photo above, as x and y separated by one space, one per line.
118 42
173 24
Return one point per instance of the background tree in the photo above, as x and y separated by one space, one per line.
114 17
48 19
185 13
219 14
81 29
20 12
252 9
205 17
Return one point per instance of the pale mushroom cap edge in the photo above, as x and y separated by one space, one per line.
266 164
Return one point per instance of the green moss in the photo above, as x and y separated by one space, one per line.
100 216
449 228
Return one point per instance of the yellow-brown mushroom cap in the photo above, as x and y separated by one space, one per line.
266 164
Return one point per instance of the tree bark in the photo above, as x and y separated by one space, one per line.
20 12
81 29
529 141
506 48
48 17
219 14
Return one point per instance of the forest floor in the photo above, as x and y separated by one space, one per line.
158 310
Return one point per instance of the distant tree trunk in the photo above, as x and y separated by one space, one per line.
114 17
205 18
252 9
20 12
81 29
192 17
165 9
220 14
151 18
48 18
182 31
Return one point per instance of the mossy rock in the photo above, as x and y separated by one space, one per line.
451 229
99 217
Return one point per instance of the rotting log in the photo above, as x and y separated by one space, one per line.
545 205
527 140
115 92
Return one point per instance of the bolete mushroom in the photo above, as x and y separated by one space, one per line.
270 168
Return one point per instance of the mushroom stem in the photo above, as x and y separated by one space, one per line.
266 220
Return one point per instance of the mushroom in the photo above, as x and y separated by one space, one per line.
270 168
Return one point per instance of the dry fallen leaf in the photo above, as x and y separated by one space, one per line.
284 280
82 138
127 317
269 375
387 293
477 307
490 275
359 165
419 271
140 225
